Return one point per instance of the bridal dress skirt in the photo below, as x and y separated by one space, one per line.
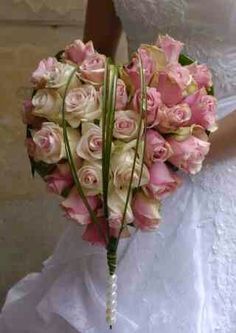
180 279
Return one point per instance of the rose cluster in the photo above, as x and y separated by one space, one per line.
179 112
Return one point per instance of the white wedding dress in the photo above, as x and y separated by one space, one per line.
181 279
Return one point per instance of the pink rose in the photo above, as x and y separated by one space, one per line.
75 208
154 103
126 125
121 95
82 104
162 181
179 74
90 177
94 233
51 74
157 148
27 116
203 109
90 144
188 154
92 69
60 179
146 212
174 117
49 142
132 70
77 52
171 48
201 75
171 93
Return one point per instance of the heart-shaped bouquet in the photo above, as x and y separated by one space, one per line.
109 138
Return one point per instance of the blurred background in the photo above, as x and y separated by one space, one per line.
30 220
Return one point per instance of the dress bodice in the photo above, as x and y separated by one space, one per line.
206 27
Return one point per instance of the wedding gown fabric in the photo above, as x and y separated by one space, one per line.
182 278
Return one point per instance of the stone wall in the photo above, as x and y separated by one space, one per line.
30 220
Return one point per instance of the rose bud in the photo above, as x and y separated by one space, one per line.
90 177
154 103
82 104
201 75
49 142
171 48
90 144
75 208
126 126
157 149
174 117
121 95
92 69
203 109
146 212
77 52
60 179
162 181
188 154
47 103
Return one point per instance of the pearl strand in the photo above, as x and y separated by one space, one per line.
111 300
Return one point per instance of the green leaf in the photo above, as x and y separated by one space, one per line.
184 60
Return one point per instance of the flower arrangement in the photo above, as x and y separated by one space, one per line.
109 138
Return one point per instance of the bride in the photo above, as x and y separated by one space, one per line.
182 278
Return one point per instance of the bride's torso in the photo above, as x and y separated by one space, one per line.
206 27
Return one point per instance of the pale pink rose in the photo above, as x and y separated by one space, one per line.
133 68
126 125
51 74
189 154
75 208
146 212
49 142
95 232
201 75
154 103
90 144
116 204
171 93
31 147
92 69
179 74
121 95
27 116
82 104
157 148
171 48
162 181
121 167
77 52
47 103
60 179
203 109
174 117
90 177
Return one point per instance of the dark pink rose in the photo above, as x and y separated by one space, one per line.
162 181
146 212
133 68
154 103
92 68
95 233
75 208
174 117
77 52
171 48
60 179
203 109
121 95
157 148
201 75
188 154
171 93
27 116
